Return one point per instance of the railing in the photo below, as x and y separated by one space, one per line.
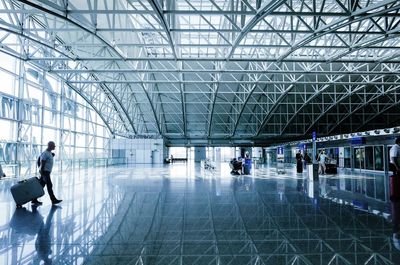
29 168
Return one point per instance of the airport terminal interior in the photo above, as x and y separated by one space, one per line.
237 132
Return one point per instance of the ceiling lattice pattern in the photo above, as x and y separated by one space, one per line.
218 72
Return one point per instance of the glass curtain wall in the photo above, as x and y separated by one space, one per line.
36 108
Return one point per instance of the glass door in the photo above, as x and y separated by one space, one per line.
369 158
378 157
359 158
347 157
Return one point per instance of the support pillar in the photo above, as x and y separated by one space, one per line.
199 153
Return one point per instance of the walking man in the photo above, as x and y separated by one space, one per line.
46 165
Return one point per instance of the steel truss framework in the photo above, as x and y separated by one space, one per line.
215 71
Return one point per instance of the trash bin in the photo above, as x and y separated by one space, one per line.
246 169
247 166
312 172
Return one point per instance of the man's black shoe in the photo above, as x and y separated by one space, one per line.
35 201
56 201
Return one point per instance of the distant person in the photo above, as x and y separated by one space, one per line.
322 162
236 167
307 158
172 159
46 166
395 157
2 174
299 162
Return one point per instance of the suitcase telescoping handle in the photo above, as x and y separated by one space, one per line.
37 175
23 178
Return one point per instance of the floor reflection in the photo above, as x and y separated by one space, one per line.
44 239
25 223
396 223
183 214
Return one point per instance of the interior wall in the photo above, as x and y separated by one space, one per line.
139 151
199 154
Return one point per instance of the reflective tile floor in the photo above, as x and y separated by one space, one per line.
181 214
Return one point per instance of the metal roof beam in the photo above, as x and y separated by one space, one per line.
228 71
267 9
216 76
159 13
85 29
208 59
392 89
189 12
356 16
224 82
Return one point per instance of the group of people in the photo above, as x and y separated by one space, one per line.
241 166
322 158
299 160
236 167
47 159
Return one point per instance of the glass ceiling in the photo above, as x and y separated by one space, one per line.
219 72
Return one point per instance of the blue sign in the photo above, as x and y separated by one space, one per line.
302 147
314 136
357 140
280 150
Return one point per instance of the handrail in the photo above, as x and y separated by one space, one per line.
28 167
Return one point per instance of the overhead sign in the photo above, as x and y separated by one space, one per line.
357 140
302 146
280 150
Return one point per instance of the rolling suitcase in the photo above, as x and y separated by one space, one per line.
331 169
26 190
394 187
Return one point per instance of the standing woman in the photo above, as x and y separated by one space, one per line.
299 164
322 161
